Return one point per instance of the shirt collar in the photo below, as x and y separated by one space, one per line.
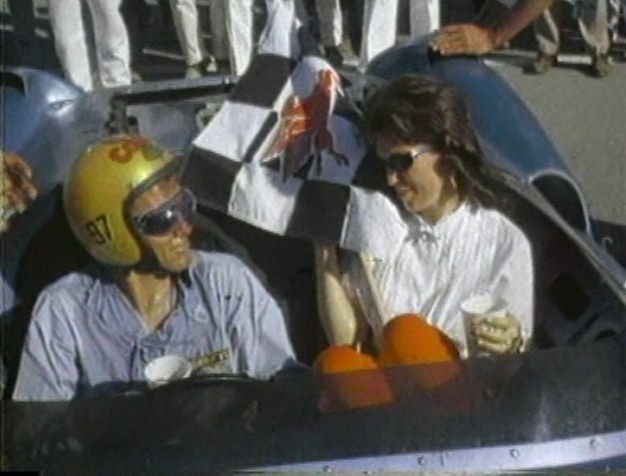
435 231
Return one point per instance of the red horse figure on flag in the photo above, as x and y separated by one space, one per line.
304 127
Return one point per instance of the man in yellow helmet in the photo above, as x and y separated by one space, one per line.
151 295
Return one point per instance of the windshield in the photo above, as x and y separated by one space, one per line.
212 423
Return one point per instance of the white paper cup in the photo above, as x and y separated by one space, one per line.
167 369
480 306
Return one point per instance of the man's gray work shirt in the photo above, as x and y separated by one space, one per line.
85 332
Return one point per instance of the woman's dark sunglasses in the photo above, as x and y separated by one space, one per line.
162 219
402 162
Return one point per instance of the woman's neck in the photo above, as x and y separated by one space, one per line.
445 207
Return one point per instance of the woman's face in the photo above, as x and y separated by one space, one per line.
427 186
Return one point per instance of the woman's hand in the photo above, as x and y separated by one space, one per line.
498 335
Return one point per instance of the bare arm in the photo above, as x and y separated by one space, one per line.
340 319
469 38
491 13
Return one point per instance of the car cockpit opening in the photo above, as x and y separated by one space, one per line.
565 196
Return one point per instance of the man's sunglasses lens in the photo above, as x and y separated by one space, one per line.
160 222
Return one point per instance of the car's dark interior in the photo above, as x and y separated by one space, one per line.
574 304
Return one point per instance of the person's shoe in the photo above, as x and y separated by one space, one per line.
209 64
223 66
600 66
542 64
194 71
333 55
206 66
135 76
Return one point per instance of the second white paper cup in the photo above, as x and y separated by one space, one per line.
167 369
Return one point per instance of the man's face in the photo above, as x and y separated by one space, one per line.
156 206
423 186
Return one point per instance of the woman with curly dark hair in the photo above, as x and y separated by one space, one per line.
457 245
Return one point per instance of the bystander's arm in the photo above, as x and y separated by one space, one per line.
470 38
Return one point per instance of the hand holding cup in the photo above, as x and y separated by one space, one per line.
497 335
489 327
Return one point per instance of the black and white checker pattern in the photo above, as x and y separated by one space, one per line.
226 169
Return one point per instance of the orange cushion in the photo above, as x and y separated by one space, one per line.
343 358
409 339
351 379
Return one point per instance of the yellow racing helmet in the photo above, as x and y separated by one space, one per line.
103 181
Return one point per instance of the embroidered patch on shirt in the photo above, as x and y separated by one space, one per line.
214 363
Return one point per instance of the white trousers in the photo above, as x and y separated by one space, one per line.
330 21
593 23
425 17
379 28
232 25
379 23
187 24
112 45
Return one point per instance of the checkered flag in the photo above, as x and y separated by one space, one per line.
280 157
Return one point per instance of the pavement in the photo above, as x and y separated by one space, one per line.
586 118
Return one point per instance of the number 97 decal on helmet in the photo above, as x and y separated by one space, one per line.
99 229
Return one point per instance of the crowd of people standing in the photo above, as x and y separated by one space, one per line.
359 29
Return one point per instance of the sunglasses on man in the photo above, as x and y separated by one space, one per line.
164 218
399 163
